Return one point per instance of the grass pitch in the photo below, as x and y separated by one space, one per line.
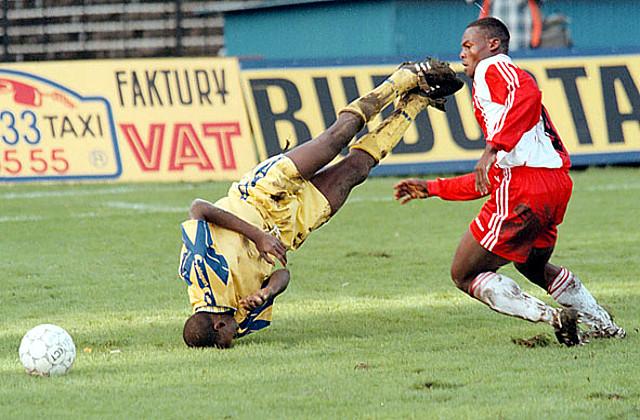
370 327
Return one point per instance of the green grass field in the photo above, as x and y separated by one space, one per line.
370 327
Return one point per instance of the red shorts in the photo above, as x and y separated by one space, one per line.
526 206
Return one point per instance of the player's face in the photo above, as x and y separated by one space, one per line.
475 47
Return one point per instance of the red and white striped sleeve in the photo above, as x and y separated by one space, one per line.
510 102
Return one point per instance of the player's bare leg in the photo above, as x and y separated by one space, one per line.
337 181
315 154
567 289
474 271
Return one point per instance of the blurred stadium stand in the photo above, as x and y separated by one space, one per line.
276 29
82 29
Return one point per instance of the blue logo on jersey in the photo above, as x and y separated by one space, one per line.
200 255
250 324
260 172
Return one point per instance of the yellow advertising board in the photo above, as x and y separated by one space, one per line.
594 103
130 120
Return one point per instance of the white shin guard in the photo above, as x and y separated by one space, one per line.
503 295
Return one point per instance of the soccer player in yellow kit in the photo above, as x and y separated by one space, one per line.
229 247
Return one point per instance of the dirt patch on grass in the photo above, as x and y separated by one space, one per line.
540 340
606 396
431 385
374 254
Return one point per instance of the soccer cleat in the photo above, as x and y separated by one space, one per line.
566 327
435 78
596 332
419 69
438 103
601 325
602 330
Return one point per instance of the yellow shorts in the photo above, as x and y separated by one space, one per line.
290 205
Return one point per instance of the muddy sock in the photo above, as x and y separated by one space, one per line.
503 295
567 289
369 105
379 142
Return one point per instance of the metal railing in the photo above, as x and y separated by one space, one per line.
73 29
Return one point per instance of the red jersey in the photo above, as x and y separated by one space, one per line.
529 182
508 106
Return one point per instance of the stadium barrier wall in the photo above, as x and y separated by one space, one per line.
128 120
594 103
187 120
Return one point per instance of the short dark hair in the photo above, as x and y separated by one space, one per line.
494 28
199 332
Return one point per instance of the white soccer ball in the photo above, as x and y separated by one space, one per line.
47 350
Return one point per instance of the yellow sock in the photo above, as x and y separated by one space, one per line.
379 142
367 106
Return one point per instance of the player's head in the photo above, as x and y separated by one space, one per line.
483 38
204 329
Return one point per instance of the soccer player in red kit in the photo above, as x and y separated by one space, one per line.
525 170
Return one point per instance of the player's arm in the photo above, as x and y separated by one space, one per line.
482 184
459 188
277 283
513 108
265 243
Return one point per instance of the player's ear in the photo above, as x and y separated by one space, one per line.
494 44
219 324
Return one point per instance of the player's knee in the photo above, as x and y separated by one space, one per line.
358 167
534 273
460 278
341 131
346 123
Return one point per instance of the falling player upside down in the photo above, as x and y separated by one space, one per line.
229 247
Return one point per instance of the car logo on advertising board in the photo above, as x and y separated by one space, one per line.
50 132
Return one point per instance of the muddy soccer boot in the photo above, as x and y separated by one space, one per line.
406 77
565 323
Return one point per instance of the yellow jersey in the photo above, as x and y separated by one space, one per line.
221 267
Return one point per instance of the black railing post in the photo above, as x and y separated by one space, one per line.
179 28
5 30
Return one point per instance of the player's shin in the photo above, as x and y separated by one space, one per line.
567 289
370 104
503 295
379 142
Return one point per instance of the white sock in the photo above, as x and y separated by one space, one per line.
503 295
568 291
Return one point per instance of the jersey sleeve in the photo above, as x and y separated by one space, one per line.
256 319
515 103
459 188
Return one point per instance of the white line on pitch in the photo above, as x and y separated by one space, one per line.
23 218
98 191
611 187
369 199
152 208
132 207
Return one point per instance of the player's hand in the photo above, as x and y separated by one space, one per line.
270 245
410 189
481 170
253 301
